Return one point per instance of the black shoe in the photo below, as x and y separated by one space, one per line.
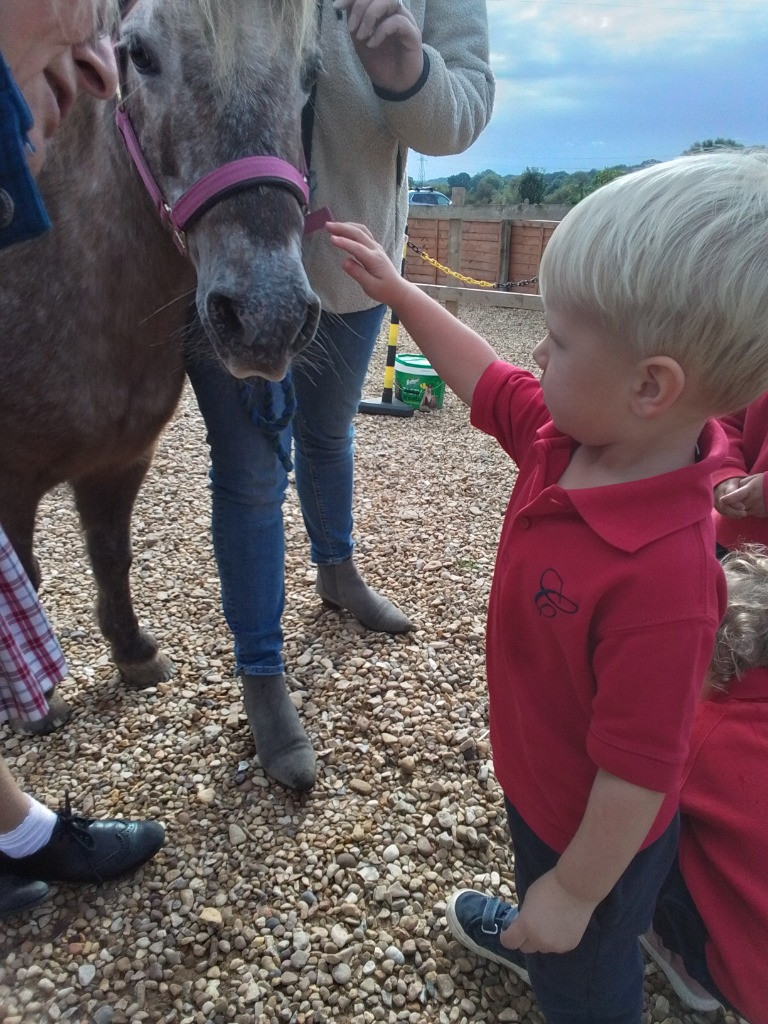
17 894
84 850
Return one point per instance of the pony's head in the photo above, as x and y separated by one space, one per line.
206 83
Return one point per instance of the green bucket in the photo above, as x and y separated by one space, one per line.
417 384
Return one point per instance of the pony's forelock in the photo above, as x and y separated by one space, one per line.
291 23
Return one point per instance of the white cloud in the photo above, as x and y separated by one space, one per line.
627 27
588 85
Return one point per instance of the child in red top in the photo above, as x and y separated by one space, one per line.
741 483
607 593
712 912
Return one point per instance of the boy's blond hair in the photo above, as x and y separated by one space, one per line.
673 259
742 640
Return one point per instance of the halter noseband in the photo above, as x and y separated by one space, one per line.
208 190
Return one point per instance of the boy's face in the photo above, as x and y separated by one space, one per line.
586 378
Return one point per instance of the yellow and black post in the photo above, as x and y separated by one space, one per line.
388 405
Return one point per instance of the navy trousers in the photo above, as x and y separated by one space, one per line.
601 980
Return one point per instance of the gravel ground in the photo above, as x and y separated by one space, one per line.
263 906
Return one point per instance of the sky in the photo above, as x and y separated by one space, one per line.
583 86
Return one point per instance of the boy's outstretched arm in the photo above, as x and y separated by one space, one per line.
459 355
556 910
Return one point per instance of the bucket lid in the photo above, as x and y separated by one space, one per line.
415 364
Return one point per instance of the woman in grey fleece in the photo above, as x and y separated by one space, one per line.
394 75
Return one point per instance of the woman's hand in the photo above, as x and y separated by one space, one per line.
387 40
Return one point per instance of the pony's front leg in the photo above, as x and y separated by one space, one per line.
105 503
18 508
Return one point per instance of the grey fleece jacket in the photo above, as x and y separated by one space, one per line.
360 140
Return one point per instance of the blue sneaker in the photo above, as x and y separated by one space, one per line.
477 920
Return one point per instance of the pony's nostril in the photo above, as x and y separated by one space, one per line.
223 315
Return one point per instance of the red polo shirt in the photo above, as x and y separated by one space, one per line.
602 617
724 838
747 433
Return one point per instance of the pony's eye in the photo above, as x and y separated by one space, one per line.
141 59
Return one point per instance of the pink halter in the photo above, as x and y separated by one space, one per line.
251 170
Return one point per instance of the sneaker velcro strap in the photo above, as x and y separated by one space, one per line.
488 923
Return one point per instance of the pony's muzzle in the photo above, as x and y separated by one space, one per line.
259 341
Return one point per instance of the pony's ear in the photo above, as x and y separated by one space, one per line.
124 7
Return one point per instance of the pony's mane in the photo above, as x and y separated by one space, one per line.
107 14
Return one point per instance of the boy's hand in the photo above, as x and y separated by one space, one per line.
741 496
551 920
370 266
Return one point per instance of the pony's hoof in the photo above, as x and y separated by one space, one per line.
58 713
140 675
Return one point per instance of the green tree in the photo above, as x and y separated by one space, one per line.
554 180
566 195
573 188
461 180
607 174
489 188
709 145
532 186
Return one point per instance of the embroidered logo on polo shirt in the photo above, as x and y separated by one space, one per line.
550 598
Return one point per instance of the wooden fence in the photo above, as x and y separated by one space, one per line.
498 244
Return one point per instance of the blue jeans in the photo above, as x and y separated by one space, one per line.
249 479
601 980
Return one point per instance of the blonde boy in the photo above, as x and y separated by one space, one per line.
607 594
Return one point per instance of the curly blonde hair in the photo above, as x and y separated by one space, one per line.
742 640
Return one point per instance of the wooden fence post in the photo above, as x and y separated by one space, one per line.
505 251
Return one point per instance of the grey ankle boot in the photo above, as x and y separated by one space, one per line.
282 746
342 586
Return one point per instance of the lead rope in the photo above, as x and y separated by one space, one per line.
262 413
264 417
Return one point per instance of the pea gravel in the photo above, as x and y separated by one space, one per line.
265 907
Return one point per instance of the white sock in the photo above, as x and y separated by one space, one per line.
32 834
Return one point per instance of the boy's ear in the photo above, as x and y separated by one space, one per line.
660 382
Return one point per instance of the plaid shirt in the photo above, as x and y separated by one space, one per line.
31 660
